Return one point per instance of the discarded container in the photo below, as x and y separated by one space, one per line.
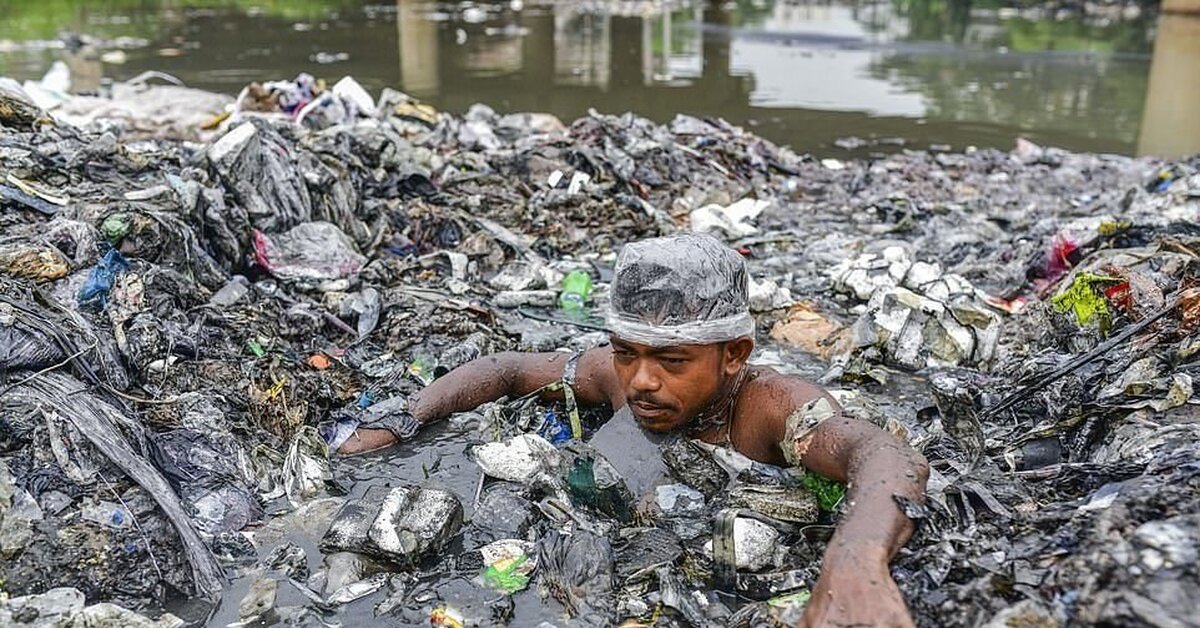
508 564
422 369
576 291
519 459
401 524
108 514
231 292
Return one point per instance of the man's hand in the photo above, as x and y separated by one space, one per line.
855 589
364 440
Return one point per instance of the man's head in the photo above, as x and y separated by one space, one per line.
680 326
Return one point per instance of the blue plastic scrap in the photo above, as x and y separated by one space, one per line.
94 292
9 193
555 429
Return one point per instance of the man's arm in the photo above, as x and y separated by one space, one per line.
856 587
491 377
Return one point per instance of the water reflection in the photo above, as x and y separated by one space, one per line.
929 71
1171 127
803 74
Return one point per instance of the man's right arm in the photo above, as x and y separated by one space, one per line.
491 377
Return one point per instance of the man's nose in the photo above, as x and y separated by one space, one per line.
644 378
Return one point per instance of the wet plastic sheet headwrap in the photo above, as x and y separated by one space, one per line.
683 289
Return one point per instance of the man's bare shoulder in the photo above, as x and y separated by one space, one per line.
778 394
595 380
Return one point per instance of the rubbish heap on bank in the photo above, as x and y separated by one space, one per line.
189 317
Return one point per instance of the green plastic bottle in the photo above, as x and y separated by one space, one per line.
576 290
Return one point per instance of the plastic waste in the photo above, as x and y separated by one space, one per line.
315 251
809 330
340 569
767 295
116 226
108 514
95 290
365 306
511 299
640 552
755 545
555 429
508 564
593 483
39 263
66 607
422 368
678 500
577 569
1085 298
256 165
576 291
288 559
17 110
504 511
446 617
401 524
231 292
914 332
519 459
306 467
260 599
734 221
460 354
788 503
97 421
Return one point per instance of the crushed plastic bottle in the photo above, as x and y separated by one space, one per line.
422 369
108 514
231 292
576 290
555 429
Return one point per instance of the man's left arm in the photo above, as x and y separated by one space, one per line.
856 587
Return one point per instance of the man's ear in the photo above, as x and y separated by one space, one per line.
737 353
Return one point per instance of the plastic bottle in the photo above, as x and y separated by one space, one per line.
576 290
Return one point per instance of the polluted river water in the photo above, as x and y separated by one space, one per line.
905 78
918 73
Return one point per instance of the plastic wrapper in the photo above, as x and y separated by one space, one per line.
314 251
681 289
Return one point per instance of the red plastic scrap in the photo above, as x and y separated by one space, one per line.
1120 296
1189 309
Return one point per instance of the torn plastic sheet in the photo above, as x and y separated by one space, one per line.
98 421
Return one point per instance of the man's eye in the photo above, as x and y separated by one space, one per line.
675 361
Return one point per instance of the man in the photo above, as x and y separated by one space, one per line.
681 337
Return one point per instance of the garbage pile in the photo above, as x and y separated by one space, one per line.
190 322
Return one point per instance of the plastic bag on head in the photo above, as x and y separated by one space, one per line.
680 289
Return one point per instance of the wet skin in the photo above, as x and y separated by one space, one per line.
666 388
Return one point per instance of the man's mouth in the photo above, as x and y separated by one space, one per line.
647 411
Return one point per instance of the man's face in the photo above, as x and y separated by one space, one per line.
666 387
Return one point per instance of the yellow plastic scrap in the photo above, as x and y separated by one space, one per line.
216 121
33 189
276 390
1113 227
418 111
446 617
1085 299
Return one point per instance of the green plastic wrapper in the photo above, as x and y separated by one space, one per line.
1085 299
